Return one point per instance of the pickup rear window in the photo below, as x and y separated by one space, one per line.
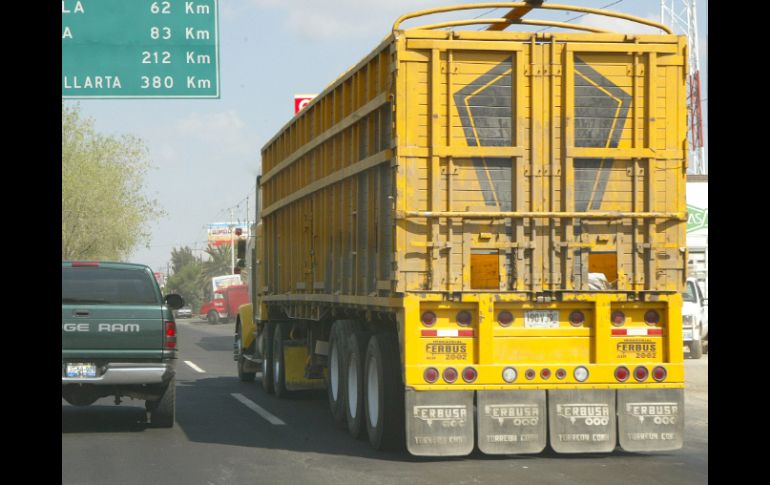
108 286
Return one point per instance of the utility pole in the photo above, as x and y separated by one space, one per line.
681 16
232 243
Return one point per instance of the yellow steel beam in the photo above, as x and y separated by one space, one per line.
522 5
515 14
505 23
679 216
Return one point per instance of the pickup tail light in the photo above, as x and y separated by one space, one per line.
169 335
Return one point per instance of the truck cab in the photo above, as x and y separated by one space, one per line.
225 303
695 319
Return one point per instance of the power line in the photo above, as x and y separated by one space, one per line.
584 14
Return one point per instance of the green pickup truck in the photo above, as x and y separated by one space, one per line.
118 337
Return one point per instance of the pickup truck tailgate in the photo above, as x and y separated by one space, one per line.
119 327
110 310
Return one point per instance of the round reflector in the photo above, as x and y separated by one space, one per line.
530 374
469 374
621 373
618 318
577 318
652 317
641 373
545 374
450 374
509 374
464 318
659 373
430 375
561 374
505 318
428 319
580 373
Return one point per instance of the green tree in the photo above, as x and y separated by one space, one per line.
188 281
187 277
105 213
220 261
182 257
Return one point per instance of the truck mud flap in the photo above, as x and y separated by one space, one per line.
511 422
439 423
582 421
651 419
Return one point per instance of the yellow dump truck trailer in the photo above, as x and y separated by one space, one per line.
477 238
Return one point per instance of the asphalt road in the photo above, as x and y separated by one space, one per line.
222 438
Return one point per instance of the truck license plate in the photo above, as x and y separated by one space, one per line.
687 334
541 319
81 370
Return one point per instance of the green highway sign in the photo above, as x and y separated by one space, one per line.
697 218
140 49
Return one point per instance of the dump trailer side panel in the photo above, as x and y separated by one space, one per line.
512 202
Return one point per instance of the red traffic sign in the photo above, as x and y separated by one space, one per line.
302 100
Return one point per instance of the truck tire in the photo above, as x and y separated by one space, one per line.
162 411
696 348
354 381
242 375
384 396
212 317
279 369
335 388
266 343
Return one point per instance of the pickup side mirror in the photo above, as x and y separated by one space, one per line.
174 301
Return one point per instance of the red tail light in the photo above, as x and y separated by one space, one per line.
618 318
659 373
75 264
428 319
430 375
530 374
464 318
561 374
469 374
641 373
621 374
505 318
450 375
545 374
577 318
652 317
169 338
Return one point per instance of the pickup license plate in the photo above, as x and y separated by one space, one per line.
81 370
541 319
687 334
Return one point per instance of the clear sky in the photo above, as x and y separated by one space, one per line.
205 153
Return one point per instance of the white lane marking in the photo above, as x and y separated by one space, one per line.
257 409
194 367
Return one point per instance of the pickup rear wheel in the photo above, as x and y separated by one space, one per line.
212 317
162 411
696 347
